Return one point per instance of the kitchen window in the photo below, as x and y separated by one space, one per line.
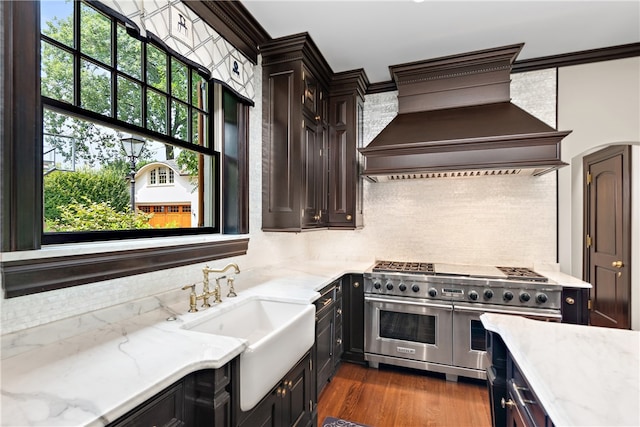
117 83
174 110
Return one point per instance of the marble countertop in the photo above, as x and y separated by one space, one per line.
582 375
91 369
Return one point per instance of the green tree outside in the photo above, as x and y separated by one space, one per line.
75 200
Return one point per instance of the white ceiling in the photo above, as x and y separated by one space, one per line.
375 34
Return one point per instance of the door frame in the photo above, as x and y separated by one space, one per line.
587 161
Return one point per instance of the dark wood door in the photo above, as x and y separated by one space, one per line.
607 220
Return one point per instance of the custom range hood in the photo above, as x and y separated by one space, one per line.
455 118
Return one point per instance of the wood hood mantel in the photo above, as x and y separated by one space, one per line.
455 114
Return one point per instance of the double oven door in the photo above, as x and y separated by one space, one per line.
469 336
407 328
447 333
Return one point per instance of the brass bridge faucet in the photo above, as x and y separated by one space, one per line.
206 292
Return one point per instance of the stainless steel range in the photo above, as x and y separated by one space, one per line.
426 316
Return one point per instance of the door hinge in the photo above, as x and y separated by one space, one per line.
589 305
588 241
589 178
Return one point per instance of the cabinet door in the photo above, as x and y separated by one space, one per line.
314 173
281 148
166 409
263 415
575 306
338 334
297 402
353 327
324 349
342 162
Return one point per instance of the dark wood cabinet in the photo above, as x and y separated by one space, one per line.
310 172
575 306
165 409
329 340
201 398
295 134
521 404
338 335
346 106
353 313
290 403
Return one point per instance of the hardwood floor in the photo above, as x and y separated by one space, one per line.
395 397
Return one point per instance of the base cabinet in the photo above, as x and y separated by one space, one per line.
575 305
290 403
523 409
201 398
353 313
329 334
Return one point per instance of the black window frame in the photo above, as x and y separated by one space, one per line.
75 110
21 204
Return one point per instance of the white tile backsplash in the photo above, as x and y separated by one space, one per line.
481 220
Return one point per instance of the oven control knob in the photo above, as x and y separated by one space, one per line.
415 288
377 285
507 296
402 287
541 298
389 286
488 294
433 292
524 296
473 295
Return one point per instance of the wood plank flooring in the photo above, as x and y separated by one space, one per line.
396 397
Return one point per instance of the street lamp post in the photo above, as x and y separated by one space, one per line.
133 148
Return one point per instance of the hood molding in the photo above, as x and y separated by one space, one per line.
454 113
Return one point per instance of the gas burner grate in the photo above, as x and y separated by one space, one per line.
522 273
404 267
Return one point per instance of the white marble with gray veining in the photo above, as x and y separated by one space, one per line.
91 369
582 375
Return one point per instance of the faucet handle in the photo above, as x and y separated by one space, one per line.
192 297
232 291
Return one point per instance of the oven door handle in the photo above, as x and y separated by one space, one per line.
409 301
533 313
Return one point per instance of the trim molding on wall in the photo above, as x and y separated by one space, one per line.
31 276
555 61
576 58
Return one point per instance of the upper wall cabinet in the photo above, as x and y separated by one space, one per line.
309 139
346 105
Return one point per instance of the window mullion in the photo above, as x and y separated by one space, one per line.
114 67
76 57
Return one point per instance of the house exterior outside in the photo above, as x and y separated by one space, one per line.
167 192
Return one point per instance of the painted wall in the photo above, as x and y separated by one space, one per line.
601 103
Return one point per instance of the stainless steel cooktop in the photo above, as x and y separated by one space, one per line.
514 286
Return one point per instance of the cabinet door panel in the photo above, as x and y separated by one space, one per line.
167 409
299 395
353 326
264 415
281 151
324 350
